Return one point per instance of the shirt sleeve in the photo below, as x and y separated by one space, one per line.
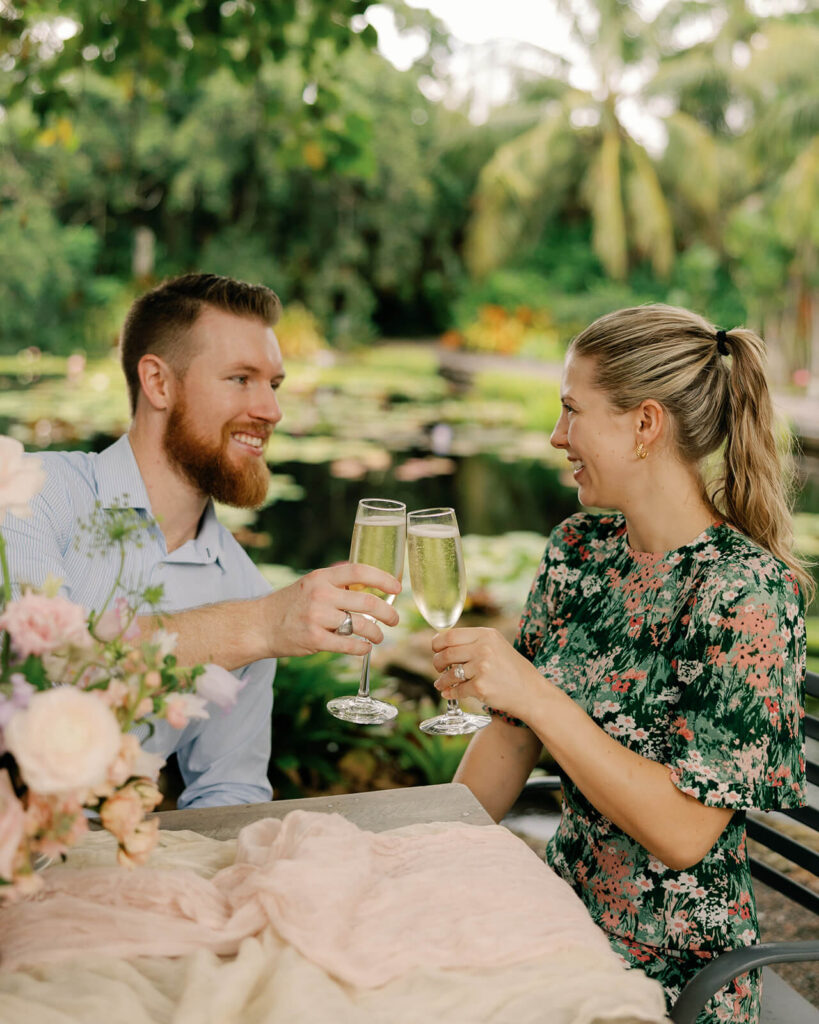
224 759
738 732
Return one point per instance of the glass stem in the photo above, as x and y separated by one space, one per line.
452 709
364 684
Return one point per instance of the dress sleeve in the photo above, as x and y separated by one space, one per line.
738 735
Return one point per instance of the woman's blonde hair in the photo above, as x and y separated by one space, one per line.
714 405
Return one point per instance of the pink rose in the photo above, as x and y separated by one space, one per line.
21 477
12 826
181 707
64 741
219 685
39 625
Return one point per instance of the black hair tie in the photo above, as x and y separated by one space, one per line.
722 342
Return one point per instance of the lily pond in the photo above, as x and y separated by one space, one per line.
402 420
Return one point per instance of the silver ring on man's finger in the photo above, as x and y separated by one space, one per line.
346 627
460 675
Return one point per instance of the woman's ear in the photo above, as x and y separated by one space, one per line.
650 422
156 380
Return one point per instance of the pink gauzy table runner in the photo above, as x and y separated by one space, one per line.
367 909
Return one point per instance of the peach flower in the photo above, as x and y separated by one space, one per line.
54 823
133 762
12 826
122 814
137 847
64 741
181 707
21 477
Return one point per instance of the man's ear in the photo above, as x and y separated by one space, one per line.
157 381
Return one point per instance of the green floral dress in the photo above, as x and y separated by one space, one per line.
694 658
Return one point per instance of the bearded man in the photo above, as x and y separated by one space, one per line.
203 369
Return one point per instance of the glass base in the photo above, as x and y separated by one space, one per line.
362 710
454 723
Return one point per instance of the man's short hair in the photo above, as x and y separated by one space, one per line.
159 322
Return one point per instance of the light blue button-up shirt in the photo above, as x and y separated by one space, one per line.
223 759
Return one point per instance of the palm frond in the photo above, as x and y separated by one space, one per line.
603 191
796 209
523 173
691 164
649 216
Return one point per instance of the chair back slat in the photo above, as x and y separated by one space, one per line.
806 815
799 893
784 845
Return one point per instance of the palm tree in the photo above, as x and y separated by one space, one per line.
578 152
750 94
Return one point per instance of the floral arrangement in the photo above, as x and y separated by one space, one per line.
73 683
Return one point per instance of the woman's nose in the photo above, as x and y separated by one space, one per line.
557 439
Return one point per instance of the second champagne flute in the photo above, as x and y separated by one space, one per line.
379 538
438 577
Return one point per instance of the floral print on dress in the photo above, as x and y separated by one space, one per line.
696 659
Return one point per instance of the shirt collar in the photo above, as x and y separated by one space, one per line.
206 547
119 482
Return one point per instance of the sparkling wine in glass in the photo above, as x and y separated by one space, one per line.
379 538
438 577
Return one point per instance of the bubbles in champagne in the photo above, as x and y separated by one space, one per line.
379 541
437 572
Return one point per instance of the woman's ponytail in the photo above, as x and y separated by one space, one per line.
757 485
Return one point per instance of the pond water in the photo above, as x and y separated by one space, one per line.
491 497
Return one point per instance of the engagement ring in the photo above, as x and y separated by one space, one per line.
346 627
460 675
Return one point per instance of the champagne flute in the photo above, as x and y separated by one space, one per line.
438 579
379 537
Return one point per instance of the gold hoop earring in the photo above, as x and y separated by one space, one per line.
641 451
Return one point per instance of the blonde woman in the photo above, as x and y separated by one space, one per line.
661 654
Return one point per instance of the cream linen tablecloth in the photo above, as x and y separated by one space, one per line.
311 919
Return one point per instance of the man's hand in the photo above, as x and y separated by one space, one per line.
303 618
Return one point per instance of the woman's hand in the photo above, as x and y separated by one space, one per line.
493 671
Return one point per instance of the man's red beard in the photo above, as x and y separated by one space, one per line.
207 466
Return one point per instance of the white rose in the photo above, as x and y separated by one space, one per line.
64 741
